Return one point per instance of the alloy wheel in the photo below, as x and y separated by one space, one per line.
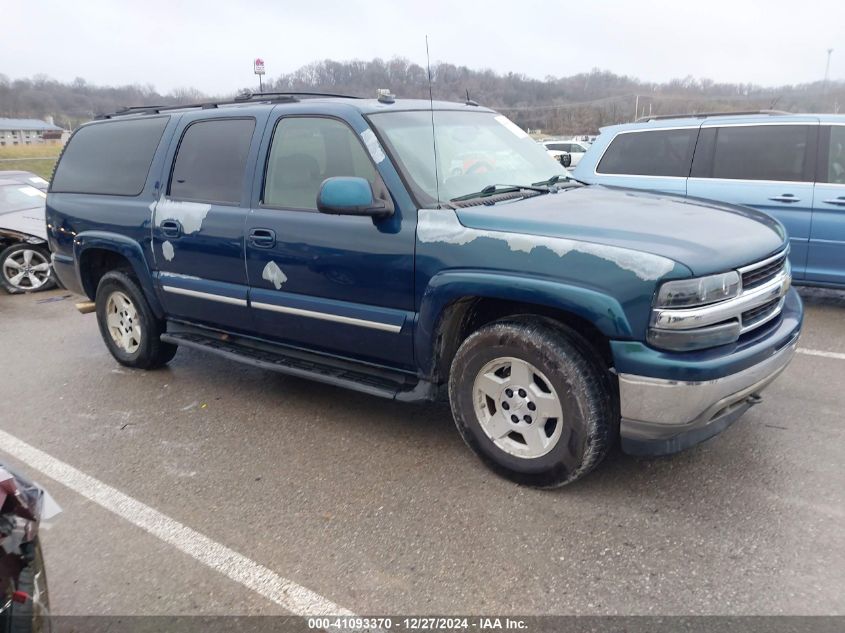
26 269
123 322
517 407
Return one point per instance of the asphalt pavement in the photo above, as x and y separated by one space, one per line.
379 508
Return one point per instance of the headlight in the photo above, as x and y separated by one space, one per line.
688 293
680 319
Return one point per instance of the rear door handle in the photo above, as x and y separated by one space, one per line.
839 202
787 197
171 228
262 238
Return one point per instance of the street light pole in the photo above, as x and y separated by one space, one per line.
827 70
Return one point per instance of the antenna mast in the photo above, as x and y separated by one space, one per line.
433 137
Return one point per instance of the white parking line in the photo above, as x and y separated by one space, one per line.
293 597
823 354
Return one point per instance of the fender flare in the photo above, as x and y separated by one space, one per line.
447 287
124 246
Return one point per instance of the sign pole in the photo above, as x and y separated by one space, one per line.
258 69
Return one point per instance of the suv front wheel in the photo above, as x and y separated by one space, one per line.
533 401
128 325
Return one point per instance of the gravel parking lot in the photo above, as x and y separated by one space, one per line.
378 507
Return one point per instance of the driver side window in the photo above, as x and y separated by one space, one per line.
304 152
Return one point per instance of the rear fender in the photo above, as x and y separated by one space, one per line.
124 246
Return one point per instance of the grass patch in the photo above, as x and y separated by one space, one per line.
39 159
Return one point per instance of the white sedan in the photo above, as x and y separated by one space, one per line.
575 149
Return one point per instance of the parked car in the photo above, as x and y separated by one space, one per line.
319 237
575 149
26 178
561 156
24 257
24 603
787 165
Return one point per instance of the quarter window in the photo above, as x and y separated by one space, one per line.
761 152
210 162
651 153
306 151
112 157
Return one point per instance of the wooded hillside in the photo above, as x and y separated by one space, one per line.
577 104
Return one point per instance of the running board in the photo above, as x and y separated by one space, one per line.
381 383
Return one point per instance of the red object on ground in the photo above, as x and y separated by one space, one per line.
20 597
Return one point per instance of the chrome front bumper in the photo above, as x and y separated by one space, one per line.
662 416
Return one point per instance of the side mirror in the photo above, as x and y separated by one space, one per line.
565 159
343 195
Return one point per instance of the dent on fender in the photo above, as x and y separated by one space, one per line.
443 226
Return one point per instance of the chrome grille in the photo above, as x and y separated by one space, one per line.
761 272
761 314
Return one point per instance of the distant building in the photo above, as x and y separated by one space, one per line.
31 132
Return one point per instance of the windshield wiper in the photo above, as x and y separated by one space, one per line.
557 178
490 190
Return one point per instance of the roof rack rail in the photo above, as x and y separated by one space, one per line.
704 115
244 97
248 96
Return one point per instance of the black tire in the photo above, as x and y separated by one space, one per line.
585 392
151 352
21 287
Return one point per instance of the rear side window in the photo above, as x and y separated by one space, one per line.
109 158
650 153
762 152
211 160
558 147
306 151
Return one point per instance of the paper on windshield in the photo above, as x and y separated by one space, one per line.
373 146
510 125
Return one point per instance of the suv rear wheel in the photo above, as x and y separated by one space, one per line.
128 325
532 399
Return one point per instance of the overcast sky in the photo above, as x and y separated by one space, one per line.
210 45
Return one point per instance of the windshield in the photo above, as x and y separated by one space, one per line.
474 151
18 197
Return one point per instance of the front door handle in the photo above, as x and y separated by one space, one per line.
171 228
262 238
839 202
787 197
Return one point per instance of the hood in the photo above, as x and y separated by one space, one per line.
704 236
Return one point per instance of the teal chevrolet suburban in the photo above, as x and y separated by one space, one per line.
409 250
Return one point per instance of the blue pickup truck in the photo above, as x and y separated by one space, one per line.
415 250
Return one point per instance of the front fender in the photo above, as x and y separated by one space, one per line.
121 245
602 310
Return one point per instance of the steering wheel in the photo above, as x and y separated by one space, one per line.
477 166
